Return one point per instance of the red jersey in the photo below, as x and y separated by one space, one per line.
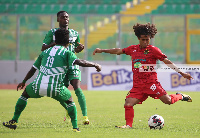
148 55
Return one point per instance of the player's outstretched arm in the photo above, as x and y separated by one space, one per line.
174 67
44 47
28 76
116 51
85 63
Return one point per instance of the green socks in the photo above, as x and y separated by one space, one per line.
71 108
72 112
20 105
82 101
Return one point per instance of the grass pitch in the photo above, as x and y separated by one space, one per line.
44 117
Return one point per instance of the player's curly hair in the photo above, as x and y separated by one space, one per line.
145 29
60 13
62 36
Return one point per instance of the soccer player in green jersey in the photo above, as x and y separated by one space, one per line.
74 74
53 64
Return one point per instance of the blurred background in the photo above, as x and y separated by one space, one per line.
100 23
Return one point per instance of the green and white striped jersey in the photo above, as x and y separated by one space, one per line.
73 38
52 64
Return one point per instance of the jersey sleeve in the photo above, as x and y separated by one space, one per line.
71 57
77 40
48 38
127 50
38 62
158 54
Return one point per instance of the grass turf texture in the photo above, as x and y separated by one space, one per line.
44 117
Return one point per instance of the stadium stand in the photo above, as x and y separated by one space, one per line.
99 7
178 7
52 6
103 24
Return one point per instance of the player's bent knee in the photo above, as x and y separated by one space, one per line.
168 101
70 100
25 94
128 104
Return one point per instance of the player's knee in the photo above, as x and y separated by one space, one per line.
25 94
168 101
75 86
70 100
128 104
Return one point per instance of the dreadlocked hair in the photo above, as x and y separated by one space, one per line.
62 36
145 29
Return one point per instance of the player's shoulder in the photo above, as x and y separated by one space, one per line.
47 50
153 47
133 46
53 30
69 52
73 31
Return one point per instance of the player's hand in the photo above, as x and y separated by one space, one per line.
97 50
98 67
79 48
187 76
20 85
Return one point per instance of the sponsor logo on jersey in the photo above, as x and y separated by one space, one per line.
146 51
135 60
137 65
153 87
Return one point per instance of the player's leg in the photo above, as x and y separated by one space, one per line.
172 98
72 111
156 91
66 83
185 97
129 111
168 99
81 99
66 101
19 107
80 95
132 99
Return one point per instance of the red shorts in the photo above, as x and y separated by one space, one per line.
142 92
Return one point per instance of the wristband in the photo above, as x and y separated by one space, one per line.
23 81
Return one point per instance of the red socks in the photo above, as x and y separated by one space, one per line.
129 115
129 111
175 98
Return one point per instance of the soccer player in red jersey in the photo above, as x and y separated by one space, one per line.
145 83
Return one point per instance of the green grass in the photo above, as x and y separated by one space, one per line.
44 117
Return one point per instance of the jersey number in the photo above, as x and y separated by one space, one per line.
49 61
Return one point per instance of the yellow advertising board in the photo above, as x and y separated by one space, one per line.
193 39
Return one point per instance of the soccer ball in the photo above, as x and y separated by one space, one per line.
156 122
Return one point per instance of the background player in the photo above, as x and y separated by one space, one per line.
52 65
145 83
74 74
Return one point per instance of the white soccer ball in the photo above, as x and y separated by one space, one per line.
156 122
